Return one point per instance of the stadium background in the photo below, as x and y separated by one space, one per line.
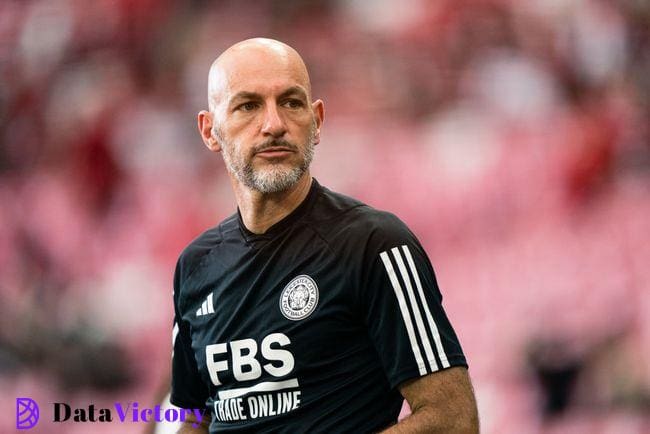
512 136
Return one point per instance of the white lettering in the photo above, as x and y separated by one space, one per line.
273 354
286 402
241 359
229 409
252 407
272 404
213 366
220 413
245 362
263 401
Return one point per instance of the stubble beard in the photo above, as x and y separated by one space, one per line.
273 177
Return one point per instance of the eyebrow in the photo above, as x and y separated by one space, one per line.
293 90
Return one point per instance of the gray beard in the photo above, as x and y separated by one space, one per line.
276 178
272 179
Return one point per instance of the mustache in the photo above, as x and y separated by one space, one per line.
275 143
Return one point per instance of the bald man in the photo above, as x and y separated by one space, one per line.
306 310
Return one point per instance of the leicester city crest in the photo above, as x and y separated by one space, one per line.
299 298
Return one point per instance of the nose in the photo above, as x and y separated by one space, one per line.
273 123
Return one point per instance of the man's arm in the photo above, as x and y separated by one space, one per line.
442 402
202 428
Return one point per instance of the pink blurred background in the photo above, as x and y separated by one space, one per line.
512 136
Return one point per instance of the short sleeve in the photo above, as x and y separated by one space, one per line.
188 390
402 306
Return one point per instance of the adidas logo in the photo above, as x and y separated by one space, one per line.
206 307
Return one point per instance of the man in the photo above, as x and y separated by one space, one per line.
306 311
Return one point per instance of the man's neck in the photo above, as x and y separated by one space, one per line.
261 211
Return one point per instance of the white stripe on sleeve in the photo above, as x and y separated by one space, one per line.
424 337
427 311
174 336
405 312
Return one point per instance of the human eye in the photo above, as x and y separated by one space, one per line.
247 106
293 103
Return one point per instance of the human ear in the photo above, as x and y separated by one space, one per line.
205 124
318 107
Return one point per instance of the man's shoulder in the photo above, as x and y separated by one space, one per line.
200 246
356 217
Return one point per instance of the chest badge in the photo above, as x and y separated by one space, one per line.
299 298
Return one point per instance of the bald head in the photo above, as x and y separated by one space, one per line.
247 63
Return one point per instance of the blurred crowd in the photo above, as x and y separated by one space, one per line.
513 136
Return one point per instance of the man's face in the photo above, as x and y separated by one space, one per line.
280 163
265 123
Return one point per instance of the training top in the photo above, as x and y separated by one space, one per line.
309 327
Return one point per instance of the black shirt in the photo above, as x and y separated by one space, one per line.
310 326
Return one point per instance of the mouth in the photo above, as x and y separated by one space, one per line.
275 152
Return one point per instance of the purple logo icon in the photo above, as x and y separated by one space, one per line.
26 413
